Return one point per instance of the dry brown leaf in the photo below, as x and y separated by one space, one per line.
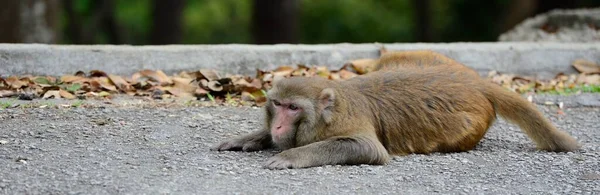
80 74
268 77
256 83
163 78
210 75
584 66
282 73
120 83
503 79
267 86
184 74
227 84
312 72
323 71
92 86
3 84
593 79
302 67
204 83
156 76
526 87
344 74
523 79
259 98
244 85
177 92
72 79
283 69
200 92
7 93
299 72
66 94
15 83
104 83
247 96
215 86
97 73
260 74
52 93
363 66
184 84
334 76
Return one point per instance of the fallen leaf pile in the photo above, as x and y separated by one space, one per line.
588 80
200 84
209 85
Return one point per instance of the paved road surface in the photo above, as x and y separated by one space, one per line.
157 150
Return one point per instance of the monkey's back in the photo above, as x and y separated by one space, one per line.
424 110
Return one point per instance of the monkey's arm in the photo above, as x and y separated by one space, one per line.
335 150
254 141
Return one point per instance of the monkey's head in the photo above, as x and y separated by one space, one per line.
296 108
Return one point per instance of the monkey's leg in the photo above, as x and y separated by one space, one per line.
335 150
254 141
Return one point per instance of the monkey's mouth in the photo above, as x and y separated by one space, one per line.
284 142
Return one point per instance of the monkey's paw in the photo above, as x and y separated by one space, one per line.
281 161
238 145
278 162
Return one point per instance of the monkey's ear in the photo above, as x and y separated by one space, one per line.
326 103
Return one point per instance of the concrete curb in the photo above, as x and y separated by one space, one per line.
535 59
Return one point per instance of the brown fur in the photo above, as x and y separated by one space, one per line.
427 103
417 58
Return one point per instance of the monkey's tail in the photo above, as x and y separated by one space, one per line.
516 109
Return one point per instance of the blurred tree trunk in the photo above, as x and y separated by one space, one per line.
547 5
108 20
518 11
422 20
74 24
29 21
167 18
83 28
275 21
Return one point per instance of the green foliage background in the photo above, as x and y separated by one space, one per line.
321 21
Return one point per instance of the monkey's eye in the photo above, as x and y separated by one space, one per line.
293 107
276 103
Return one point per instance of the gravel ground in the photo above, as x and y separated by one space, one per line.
116 149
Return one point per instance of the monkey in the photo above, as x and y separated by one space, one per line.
418 107
395 60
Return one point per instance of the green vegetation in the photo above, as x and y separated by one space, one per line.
575 90
77 103
6 104
211 97
332 21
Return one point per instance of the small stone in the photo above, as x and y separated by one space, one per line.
26 96
591 176
588 100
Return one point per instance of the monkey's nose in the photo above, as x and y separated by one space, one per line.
278 127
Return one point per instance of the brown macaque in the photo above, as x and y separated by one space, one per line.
419 59
423 105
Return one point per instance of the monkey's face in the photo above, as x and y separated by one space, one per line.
288 118
296 108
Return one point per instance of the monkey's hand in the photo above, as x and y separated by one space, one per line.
335 150
255 141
